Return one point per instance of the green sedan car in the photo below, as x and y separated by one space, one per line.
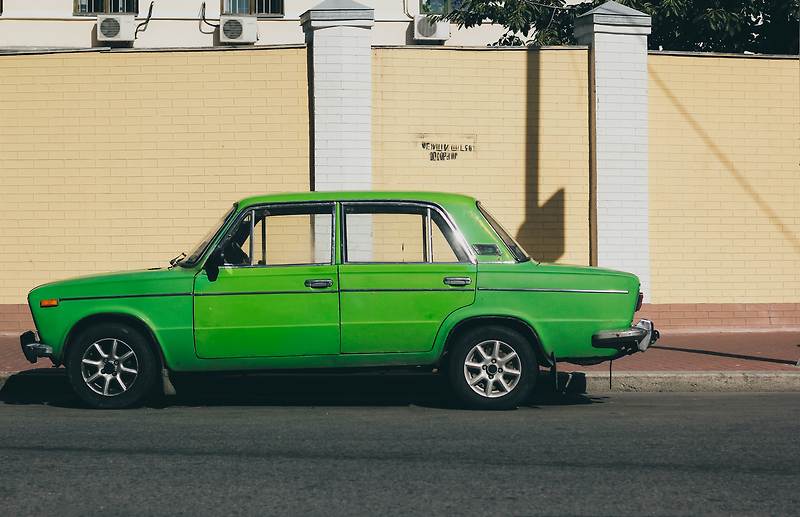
339 280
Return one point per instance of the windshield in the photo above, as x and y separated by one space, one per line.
201 246
513 246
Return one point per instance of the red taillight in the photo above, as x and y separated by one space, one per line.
639 302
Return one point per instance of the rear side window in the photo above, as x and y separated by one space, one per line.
520 255
397 233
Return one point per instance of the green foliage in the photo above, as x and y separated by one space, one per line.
759 26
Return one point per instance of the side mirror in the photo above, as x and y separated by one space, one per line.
215 260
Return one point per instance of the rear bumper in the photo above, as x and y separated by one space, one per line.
32 348
628 341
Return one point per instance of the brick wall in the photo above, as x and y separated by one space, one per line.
678 317
724 180
121 160
525 114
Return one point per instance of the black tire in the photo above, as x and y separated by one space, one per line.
457 372
144 361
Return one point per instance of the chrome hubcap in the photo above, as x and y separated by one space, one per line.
109 367
492 368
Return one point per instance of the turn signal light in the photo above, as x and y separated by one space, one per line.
52 302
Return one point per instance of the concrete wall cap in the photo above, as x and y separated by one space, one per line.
614 9
345 11
614 18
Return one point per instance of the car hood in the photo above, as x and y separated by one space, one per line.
144 282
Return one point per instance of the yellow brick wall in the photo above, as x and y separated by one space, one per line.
524 112
724 179
121 160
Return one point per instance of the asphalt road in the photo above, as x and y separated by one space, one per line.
384 445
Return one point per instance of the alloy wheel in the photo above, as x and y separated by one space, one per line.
109 367
492 368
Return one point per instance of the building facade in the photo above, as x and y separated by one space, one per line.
196 23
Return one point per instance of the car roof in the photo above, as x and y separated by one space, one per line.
440 198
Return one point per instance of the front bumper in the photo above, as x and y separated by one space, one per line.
635 339
32 348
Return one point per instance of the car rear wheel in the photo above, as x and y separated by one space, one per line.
492 367
112 366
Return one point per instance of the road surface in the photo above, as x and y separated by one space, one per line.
378 445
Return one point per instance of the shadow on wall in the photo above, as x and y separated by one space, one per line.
542 232
728 164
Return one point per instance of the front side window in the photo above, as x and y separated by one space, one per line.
441 7
386 233
106 6
282 235
257 7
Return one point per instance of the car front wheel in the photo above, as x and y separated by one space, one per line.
492 367
112 366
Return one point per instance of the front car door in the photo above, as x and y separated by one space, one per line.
277 292
405 267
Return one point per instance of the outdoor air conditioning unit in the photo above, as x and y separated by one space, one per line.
116 27
426 30
238 29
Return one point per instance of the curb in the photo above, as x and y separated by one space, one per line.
721 381
4 376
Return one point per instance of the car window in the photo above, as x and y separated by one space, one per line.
390 233
283 235
520 255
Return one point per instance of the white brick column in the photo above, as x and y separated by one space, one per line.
338 33
617 36
339 38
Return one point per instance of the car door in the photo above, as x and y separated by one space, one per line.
276 294
404 268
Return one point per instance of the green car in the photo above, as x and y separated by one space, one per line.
339 280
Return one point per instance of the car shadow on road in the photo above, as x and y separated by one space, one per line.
50 386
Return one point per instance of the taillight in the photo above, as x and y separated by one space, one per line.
639 302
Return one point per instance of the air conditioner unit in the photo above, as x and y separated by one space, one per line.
116 27
426 30
238 29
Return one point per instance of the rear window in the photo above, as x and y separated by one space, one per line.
520 255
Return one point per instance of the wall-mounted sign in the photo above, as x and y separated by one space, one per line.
440 148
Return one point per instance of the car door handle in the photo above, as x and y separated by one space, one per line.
457 281
319 283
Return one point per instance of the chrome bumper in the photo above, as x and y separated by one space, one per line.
32 348
635 339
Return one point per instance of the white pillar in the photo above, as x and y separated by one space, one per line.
339 38
617 36
338 33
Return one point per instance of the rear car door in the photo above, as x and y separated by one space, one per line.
405 267
277 292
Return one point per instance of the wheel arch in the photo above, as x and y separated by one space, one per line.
113 317
513 322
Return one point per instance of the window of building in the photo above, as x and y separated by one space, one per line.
106 6
399 233
438 6
257 7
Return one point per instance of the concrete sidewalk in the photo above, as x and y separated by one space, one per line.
742 361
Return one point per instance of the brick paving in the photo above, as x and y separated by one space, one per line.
755 351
